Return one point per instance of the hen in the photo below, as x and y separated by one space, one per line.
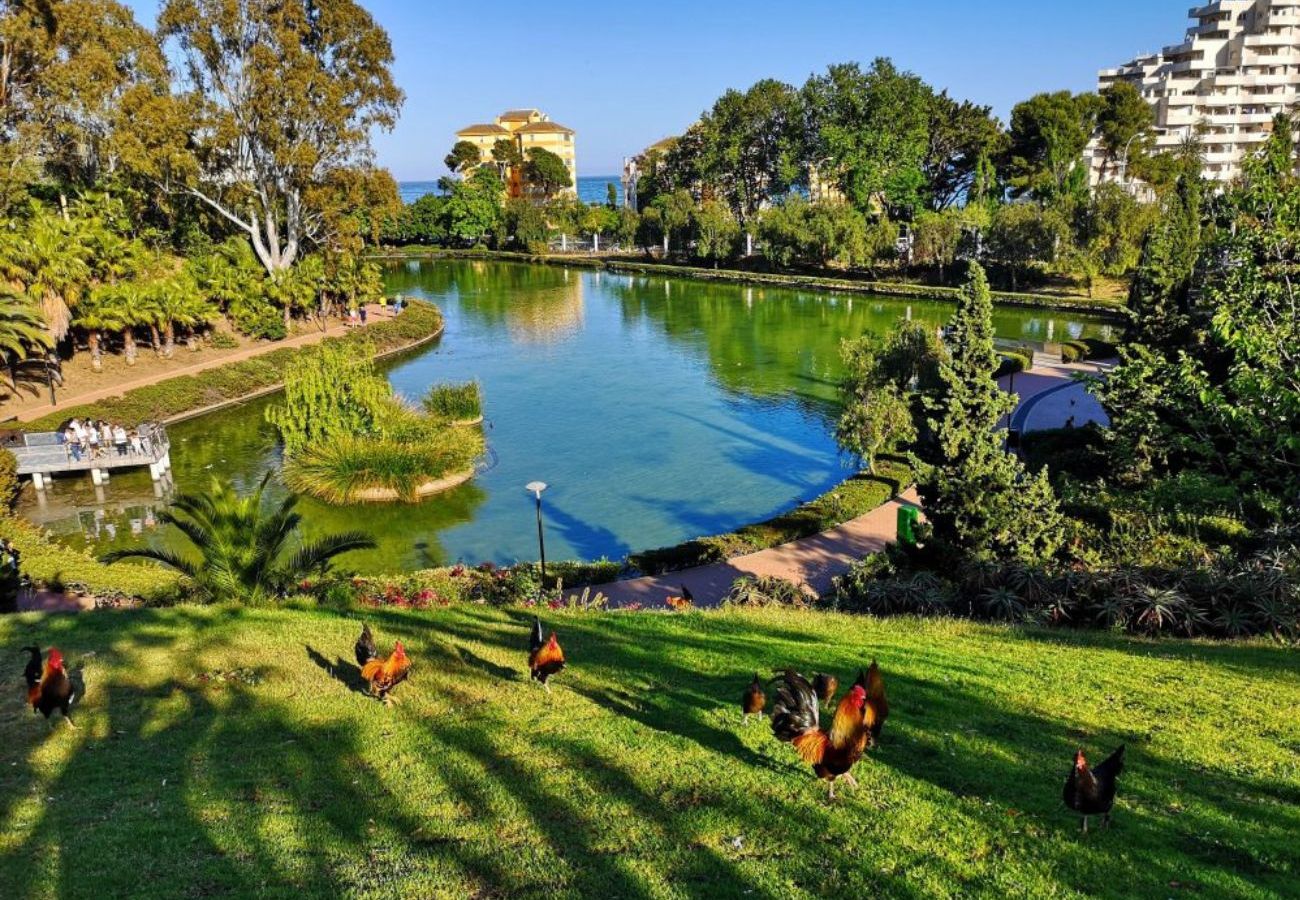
545 658
386 674
754 700
53 690
796 720
826 687
1091 792
32 673
365 648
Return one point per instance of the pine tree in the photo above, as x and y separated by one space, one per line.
978 498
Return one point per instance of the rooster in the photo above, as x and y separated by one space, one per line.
545 658
796 719
826 687
386 674
365 648
53 690
1091 792
754 700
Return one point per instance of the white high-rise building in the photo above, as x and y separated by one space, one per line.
1238 67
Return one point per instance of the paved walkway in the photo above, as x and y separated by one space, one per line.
813 561
374 313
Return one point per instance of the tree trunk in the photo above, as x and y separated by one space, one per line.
155 339
96 354
288 316
169 340
128 345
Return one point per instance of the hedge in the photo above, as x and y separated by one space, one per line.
1089 348
187 393
1109 309
50 564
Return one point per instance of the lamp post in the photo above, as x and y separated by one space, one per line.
535 488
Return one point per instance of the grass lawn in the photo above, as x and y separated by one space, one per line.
634 778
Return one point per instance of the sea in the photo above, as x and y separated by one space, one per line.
591 188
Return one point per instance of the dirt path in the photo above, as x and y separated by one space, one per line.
32 409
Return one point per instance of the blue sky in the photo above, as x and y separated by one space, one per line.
627 74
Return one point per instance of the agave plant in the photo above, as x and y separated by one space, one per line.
245 549
1004 605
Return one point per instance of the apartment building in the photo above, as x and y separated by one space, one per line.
526 129
1238 67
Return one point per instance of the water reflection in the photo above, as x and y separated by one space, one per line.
658 410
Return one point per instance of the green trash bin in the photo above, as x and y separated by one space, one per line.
909 517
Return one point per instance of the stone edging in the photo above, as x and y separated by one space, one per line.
424 491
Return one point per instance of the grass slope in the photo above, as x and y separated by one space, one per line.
635 777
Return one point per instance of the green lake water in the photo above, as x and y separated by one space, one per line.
657 409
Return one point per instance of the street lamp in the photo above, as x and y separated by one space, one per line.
535 488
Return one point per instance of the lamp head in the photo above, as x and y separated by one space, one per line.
536 488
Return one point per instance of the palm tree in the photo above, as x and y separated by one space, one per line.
245 549
54 267
22 330
104 310
177 300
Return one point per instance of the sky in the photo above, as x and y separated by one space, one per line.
625 75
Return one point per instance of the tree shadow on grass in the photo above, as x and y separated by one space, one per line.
483 786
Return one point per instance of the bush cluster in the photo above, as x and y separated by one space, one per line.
485 584
759 592
1089 348
454 402
52 565
9 483
1200 597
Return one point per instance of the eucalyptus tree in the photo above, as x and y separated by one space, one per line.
286 94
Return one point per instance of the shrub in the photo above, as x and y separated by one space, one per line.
48 563
454 402
764 591
1014 361
344 469
9 483
224 340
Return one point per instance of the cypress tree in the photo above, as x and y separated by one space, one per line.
980 501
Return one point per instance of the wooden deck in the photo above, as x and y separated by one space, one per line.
42 455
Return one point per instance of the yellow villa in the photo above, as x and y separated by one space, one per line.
526 128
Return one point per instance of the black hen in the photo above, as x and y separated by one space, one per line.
1091 792
365 647
687 595
32 673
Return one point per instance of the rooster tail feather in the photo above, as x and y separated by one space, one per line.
811 746
536 641
372 670
1113 765
795 710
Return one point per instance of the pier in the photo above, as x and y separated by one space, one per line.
42 455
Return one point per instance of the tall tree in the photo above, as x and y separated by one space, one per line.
545 173
464 158
752 147
869 133
1048 135
288 92
978 498
964 139
1124 123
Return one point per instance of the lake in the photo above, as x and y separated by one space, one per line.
591 188
658 410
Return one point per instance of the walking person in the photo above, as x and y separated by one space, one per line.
74 444
120 440
92 441
362 313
